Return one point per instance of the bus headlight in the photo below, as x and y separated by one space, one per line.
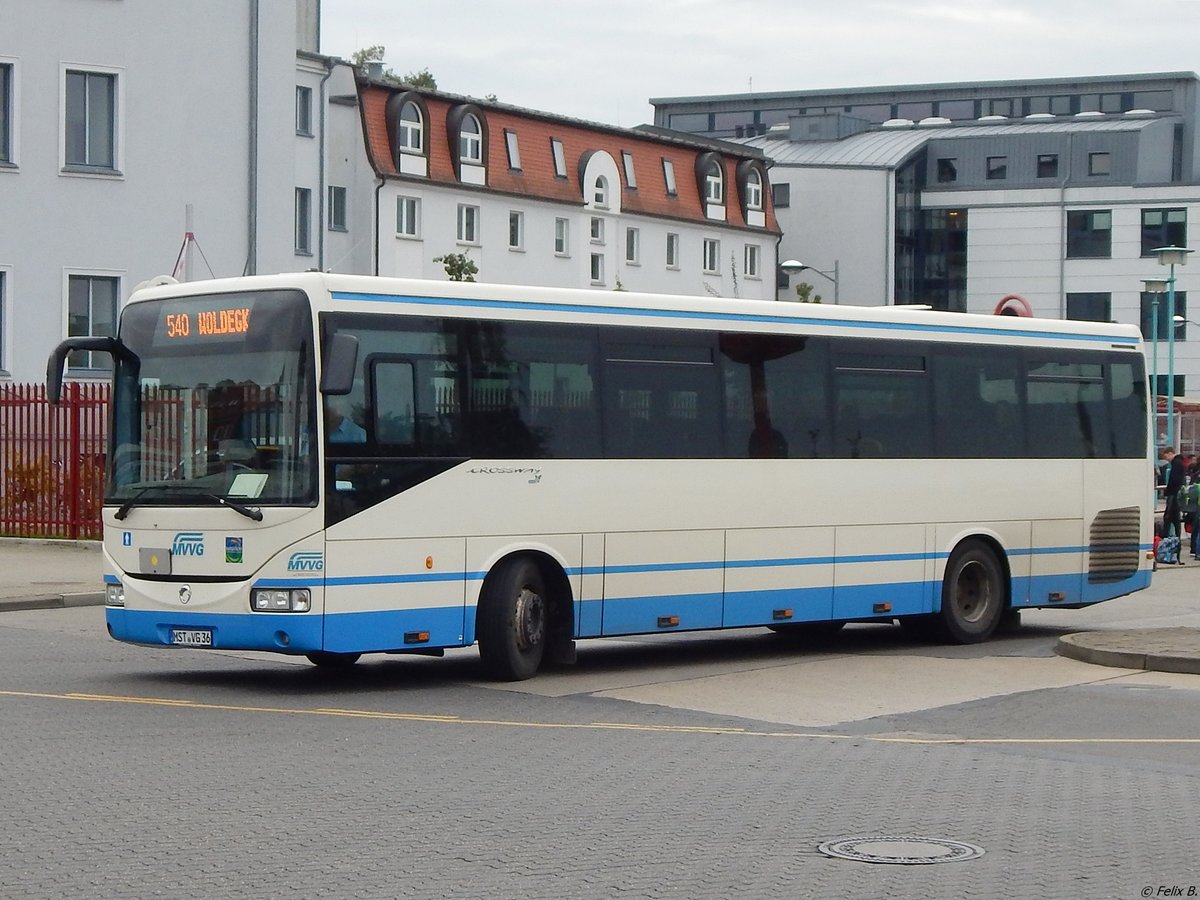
276 600
114 594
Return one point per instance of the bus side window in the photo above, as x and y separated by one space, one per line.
393 401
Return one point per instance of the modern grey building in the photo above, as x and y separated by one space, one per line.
961 195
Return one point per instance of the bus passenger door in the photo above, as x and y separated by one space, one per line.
663 581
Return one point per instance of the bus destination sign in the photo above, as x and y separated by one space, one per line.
208 321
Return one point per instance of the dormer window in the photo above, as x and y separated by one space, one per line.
710 182
600 192
714 185
754 190
467 136
408 124
411 131
470 141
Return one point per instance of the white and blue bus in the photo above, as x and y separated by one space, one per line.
337 465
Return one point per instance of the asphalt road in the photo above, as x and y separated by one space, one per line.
707 765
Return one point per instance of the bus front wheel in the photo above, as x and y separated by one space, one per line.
973 595
512 620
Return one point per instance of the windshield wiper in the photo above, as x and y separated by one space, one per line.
247 511
128 504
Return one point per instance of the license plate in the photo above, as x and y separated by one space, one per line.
191 637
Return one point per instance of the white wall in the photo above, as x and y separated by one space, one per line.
538 264
183 124
842 215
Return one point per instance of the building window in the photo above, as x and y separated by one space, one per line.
597 268
337 209
516 230
514 150
408 217
1163 228
714 185
600 192
6 107
669 177
470 140
91 120
752 260
411 133
630 174
304 110
1047 165
997 168
597 230
712 256
672 250
633 246
1156 305
303 220
562 237
1089 234
781 195
1090 306
91 312
1099 163
947 170
468 224
754 191
560 158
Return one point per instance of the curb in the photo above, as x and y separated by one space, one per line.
52 601
1150 650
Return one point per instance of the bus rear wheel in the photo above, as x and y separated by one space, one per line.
513 620
973 594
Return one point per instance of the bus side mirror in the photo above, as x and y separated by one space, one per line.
58 358
337 369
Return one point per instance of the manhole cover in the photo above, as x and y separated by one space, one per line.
900 851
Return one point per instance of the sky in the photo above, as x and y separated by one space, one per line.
603 61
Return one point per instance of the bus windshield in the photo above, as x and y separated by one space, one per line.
215 404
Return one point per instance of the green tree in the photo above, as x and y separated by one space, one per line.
376 52
804 291
458 266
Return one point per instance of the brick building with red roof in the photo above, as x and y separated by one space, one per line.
536 198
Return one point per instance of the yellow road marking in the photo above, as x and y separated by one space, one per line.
581 726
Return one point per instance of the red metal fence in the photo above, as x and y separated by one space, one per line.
52 460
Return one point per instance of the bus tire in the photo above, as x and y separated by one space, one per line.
973 594
323 659
513 620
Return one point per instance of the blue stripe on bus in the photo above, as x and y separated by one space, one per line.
706 315
452 626
648 568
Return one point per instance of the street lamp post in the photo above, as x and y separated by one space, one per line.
795 267
1154 287
1171 257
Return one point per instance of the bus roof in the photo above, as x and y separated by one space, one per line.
534 303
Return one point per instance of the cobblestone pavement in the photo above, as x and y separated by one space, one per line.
130 772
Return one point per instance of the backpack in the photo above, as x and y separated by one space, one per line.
1189 498
1167 551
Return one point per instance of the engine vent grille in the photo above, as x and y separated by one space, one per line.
1114 548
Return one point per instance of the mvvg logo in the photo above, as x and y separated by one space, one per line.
188 543
306 561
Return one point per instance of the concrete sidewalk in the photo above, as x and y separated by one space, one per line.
43 574
40 574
